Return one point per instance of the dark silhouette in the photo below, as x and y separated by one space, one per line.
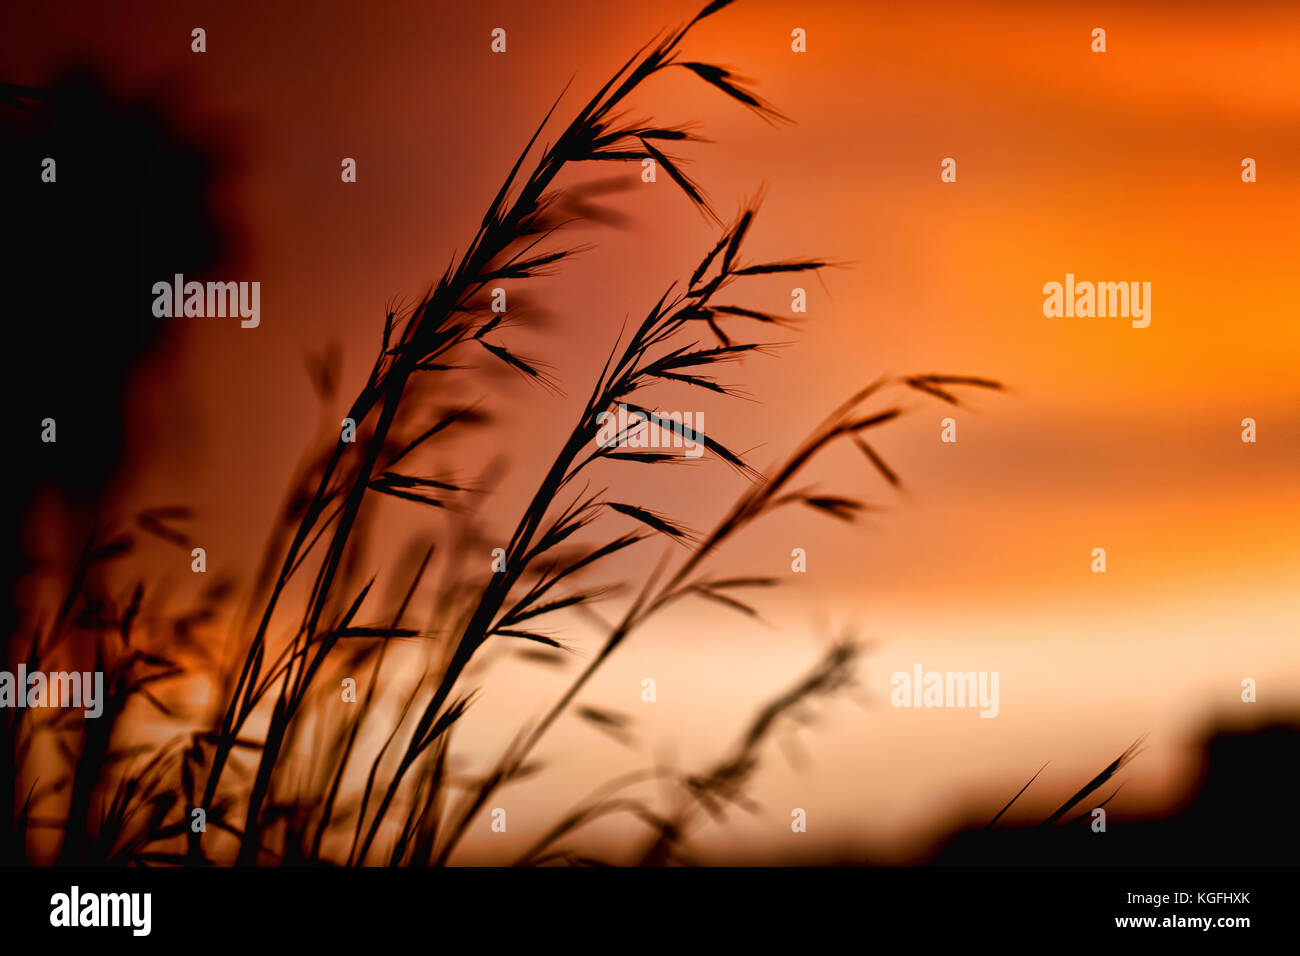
1239 815
131 203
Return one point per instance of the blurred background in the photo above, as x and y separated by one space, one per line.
1116 167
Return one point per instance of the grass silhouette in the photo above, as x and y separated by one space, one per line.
133 804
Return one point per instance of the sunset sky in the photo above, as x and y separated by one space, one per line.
1122 166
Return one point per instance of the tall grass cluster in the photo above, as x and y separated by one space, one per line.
379 785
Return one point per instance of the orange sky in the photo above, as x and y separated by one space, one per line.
1120 166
